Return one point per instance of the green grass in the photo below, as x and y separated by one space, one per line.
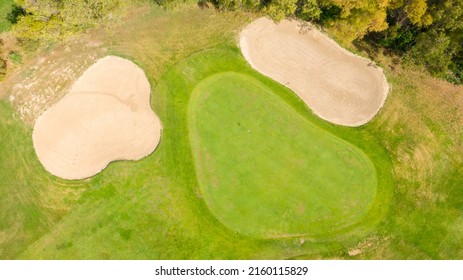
31 200
5 9
153 208
267 172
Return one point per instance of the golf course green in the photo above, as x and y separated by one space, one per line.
265 171
265 166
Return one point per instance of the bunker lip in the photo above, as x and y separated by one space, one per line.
337 85
106 116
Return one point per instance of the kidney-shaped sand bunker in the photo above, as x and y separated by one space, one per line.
106 116
337 85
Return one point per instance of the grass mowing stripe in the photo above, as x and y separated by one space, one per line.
31 200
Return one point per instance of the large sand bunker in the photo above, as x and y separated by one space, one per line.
337 85
106 116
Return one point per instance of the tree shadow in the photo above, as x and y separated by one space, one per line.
15 13
369 49
304 27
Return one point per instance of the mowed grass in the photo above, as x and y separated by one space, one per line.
182 82
267 172
31 200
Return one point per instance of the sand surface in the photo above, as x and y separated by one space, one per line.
337 85
106 116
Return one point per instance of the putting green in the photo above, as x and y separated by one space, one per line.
267 172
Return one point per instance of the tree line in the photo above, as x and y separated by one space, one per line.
427 32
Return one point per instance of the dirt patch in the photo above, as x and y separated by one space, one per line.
337 85
43 79
106 116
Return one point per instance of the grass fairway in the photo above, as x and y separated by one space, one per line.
265 171
31 200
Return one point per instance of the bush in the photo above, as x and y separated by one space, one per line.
51 20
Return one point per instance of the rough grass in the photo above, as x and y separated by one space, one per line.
48 77
420 126
152 209
266 172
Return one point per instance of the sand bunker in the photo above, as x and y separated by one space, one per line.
106 116
337 85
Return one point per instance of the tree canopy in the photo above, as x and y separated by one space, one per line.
44 19
426 32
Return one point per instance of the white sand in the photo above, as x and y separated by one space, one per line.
106 116
337 85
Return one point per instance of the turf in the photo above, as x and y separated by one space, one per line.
265 171
31 200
